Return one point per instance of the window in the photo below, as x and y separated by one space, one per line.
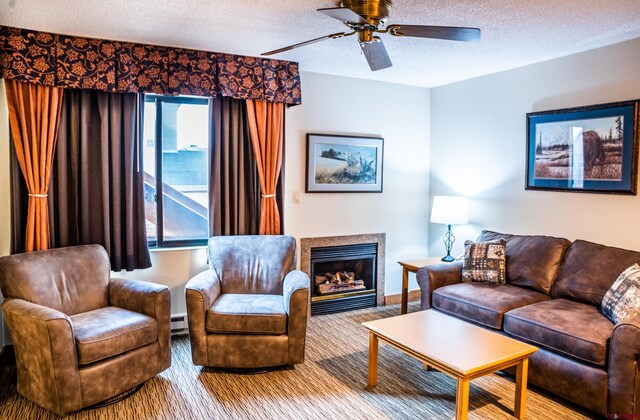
175 153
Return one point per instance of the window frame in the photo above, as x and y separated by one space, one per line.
160 242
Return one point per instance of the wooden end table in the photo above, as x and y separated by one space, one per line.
412 267
458 348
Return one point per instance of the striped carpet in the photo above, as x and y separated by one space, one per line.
331 384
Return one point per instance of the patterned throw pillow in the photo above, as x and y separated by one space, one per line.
622 300
485 261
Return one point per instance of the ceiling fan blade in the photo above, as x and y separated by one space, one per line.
376 54
311 41
343 14
453 33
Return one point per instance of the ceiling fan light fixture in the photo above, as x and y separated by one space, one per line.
365 36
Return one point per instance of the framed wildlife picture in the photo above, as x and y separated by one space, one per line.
586 149
344 163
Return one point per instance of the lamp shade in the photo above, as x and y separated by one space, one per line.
450 210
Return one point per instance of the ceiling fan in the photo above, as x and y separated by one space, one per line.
369 17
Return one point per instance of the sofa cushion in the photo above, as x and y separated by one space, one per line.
622 300
110 331
484 261
247 314
532 261
590 269
483 303
571 328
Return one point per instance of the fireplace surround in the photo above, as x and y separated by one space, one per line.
346 272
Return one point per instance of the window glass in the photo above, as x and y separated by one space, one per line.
176 147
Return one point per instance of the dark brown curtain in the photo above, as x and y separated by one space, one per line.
234 188
97 189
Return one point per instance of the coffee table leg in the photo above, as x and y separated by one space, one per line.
521 389
462 399
373 359
405 291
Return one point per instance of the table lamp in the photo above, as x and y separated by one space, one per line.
448 210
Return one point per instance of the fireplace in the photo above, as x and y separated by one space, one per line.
346 272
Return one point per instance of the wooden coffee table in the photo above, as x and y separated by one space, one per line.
455 347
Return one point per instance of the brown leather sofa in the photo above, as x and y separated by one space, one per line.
552 300
249 310
80 337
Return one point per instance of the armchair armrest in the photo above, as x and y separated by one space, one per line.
624 376
434 276
295 290
46 349
294 281
151 299
147 298
200 293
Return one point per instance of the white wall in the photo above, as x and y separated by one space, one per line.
478 148
173 268
399 114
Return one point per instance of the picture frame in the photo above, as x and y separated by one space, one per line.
591 149
343 163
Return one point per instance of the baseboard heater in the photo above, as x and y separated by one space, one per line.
179 325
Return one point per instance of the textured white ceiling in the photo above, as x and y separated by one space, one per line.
514 32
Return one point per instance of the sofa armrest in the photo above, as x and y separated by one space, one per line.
624 374
434 276
295 290
147 298
45 355
200 293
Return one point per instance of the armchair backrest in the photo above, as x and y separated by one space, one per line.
71 280
252 263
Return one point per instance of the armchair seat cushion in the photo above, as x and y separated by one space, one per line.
564 326
483 303
110 331
247 314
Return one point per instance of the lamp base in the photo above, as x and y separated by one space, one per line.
448 244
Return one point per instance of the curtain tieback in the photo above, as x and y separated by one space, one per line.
39 195
268 196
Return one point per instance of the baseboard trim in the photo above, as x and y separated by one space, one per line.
413 296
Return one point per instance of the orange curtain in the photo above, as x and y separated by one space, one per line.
266 125
34 116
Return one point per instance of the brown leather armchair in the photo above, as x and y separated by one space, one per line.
249 310
80 337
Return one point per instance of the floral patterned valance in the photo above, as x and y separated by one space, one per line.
114 66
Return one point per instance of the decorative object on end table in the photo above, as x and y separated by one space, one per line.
344 163
449 211
586 149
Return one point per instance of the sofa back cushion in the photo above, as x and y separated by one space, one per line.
532 261
71 280
590 269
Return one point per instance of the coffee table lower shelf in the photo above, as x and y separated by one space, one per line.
388 330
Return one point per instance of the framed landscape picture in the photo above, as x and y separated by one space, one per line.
344 163
586 149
